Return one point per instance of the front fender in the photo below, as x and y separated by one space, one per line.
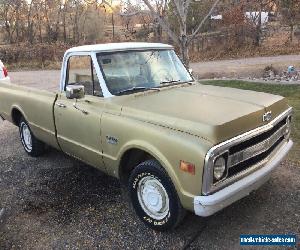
154 152
167 146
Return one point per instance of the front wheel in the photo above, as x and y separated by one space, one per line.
154 197
31 144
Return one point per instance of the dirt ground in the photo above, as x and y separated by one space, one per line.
43 79
253 66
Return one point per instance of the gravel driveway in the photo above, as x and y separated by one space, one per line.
235 68
55 202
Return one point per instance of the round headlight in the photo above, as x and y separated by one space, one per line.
219 168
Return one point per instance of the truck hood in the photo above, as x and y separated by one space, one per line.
213 113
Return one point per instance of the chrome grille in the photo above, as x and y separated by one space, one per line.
256 149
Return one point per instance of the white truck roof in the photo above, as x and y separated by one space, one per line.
109 47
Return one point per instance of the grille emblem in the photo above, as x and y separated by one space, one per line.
267 116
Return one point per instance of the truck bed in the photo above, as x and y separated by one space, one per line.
35 105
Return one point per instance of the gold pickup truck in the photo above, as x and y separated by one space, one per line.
135 112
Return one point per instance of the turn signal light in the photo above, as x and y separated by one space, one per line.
187 167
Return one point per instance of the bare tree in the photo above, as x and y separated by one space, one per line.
181 11
290 10
7 16
161 7
255 10
12 13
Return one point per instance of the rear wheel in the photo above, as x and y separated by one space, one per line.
154 197
31 144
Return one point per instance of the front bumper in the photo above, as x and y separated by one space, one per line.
207 205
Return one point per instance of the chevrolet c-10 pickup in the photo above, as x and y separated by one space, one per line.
135 112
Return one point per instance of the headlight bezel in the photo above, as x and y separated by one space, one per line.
223 156
288 127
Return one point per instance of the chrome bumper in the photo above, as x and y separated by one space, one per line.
207 205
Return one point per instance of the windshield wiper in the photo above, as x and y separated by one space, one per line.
136 89
170 82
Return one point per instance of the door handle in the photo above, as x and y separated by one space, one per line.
82 110
61 105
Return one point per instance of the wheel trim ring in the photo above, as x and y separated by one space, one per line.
157 191
26 137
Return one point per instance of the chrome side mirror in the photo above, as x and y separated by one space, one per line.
75 91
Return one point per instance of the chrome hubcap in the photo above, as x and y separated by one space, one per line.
26 137
153 198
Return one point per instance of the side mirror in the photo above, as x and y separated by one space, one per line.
191 71
75 91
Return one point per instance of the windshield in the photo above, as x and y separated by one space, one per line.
141 70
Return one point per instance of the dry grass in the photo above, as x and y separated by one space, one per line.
34 65
244 52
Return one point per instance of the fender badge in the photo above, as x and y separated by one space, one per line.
267 116
111 140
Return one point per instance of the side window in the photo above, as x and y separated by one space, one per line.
81 71
97 88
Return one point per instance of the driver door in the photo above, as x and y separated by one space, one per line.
78 121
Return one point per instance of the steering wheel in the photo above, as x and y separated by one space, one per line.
163 74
